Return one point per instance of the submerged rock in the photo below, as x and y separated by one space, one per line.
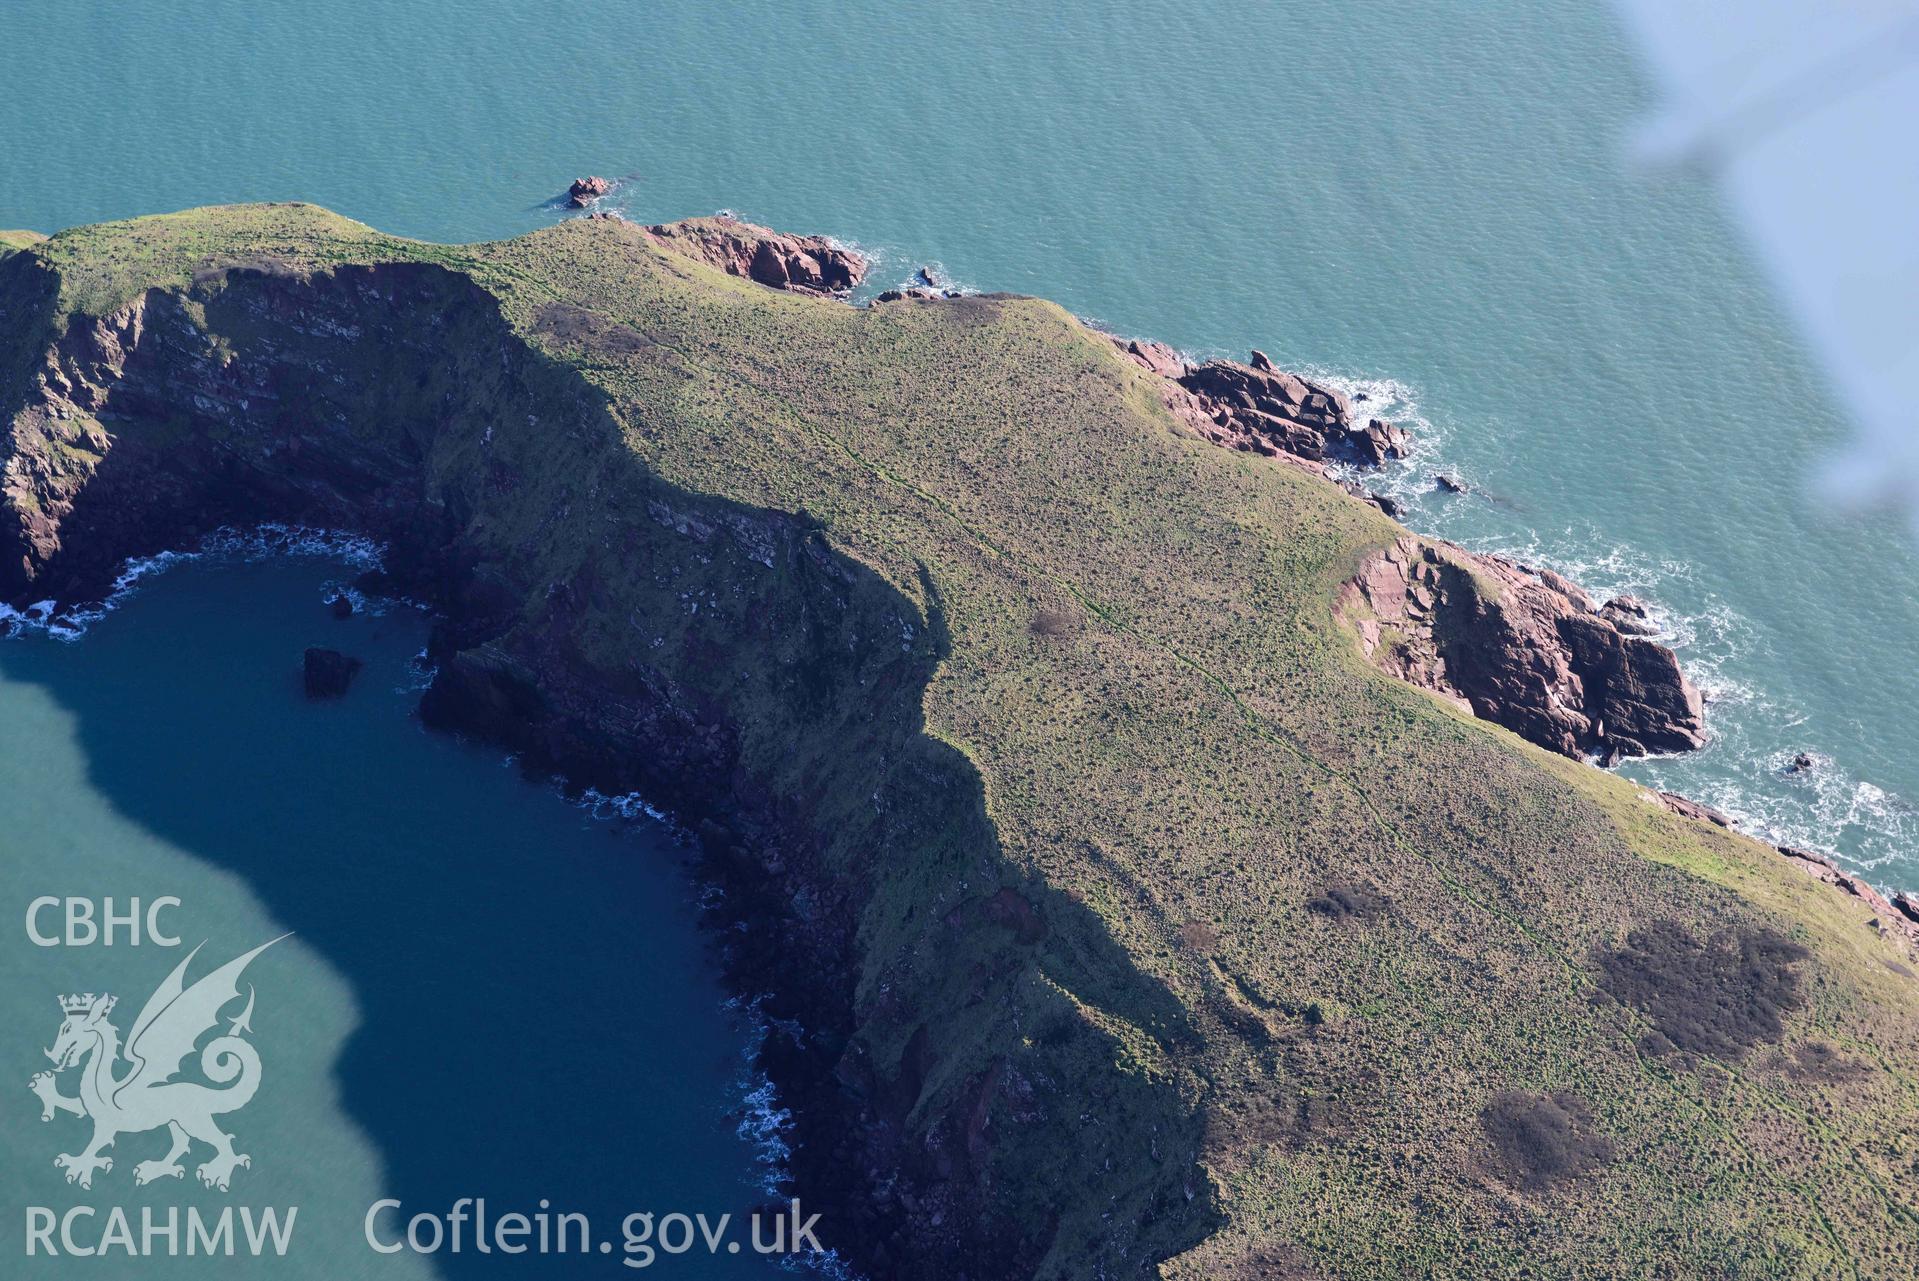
329 672
341 605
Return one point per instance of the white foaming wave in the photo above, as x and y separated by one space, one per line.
363 604
1710 637
274 539
763 1123
1827 809
1408 481
826 1263
628 805
888 262
257 543
767 1128
1752 729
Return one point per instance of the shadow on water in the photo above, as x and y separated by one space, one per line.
540 1022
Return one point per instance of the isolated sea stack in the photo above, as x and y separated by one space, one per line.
585 191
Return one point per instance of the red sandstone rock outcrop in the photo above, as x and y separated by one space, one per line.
585 191
1265 410
1522 648
803 264
1692 809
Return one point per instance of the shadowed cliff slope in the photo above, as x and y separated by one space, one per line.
1136 919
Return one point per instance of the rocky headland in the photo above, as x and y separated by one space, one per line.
1524 648
1112 917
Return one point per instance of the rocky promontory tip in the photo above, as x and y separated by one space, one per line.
801 264
1262 409
1525 649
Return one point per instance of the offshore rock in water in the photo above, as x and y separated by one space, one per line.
1524 649
328 673
585 191
1380 440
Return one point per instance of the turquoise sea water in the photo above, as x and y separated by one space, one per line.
1428 200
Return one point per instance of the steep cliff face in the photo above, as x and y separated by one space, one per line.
1525 649
631 636
256 392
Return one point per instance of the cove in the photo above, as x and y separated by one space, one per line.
488 992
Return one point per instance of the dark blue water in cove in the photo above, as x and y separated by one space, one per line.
489 992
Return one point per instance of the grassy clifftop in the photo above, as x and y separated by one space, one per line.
1179 934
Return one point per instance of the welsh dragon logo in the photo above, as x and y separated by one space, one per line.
144 1096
